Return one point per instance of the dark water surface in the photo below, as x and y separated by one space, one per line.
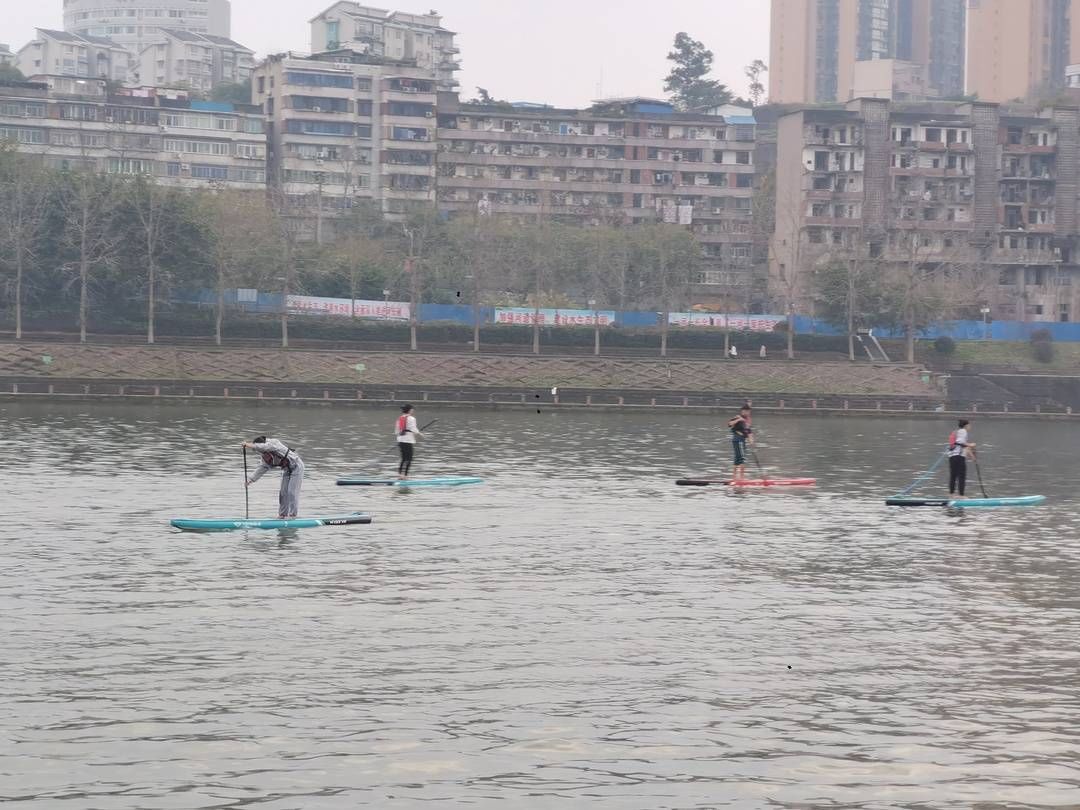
577 632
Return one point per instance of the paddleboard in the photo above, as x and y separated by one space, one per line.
746 482
234 524
458 481
968 503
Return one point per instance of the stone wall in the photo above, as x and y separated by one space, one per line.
59 361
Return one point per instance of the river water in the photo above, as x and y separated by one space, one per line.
577 632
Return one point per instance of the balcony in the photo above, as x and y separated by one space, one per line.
1025 256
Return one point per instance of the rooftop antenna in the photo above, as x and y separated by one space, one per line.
600 84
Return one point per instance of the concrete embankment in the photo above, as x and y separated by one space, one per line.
351 378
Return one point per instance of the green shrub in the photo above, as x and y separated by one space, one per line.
1042 345
945 345
1043 350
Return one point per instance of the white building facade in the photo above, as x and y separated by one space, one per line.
182 58
343 127
75 123
135 26
395 35
59 53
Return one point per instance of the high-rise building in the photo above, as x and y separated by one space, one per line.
137 27
416 38
1020 48
345 128
816 44
981 191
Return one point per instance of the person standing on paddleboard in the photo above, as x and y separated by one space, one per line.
276 455
960 447
741 433
406 431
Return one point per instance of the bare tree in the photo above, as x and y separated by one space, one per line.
88 203
669 256
240 229
24 196
150 201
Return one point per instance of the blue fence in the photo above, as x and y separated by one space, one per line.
270 303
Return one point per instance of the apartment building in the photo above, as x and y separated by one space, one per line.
346 126
200 62
978 186
58 53
815 46
135 26
73 122
621 161
1021 48
399 36
6 56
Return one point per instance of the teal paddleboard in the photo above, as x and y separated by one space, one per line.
412 482
968 503
235 524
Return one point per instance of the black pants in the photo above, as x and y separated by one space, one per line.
406 451
957 474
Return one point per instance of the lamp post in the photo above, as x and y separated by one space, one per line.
386 304
596 327
986 322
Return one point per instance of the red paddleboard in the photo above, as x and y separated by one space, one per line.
746 482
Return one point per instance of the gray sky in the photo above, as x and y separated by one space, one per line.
561 52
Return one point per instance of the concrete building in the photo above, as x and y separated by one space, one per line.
973 186
58 53
621 161
136 26
73 122
346 126
182 58
6 56
1020 48
396 35
816 44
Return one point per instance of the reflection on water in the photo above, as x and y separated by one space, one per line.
576 632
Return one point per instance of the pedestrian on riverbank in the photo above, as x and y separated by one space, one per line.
960 447
407 433
276 455
763 353
741 433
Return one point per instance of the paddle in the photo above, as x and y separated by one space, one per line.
247 497
978 472
757 461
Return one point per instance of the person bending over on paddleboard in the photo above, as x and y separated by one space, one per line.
276 455
960 447
406 431
741 432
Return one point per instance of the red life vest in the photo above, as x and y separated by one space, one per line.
952 440
402 424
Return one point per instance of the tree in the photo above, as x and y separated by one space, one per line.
10 73
852 293
88 202
232 92
667 257
24 196
753 72
687 83
150 202
238 230
424 236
